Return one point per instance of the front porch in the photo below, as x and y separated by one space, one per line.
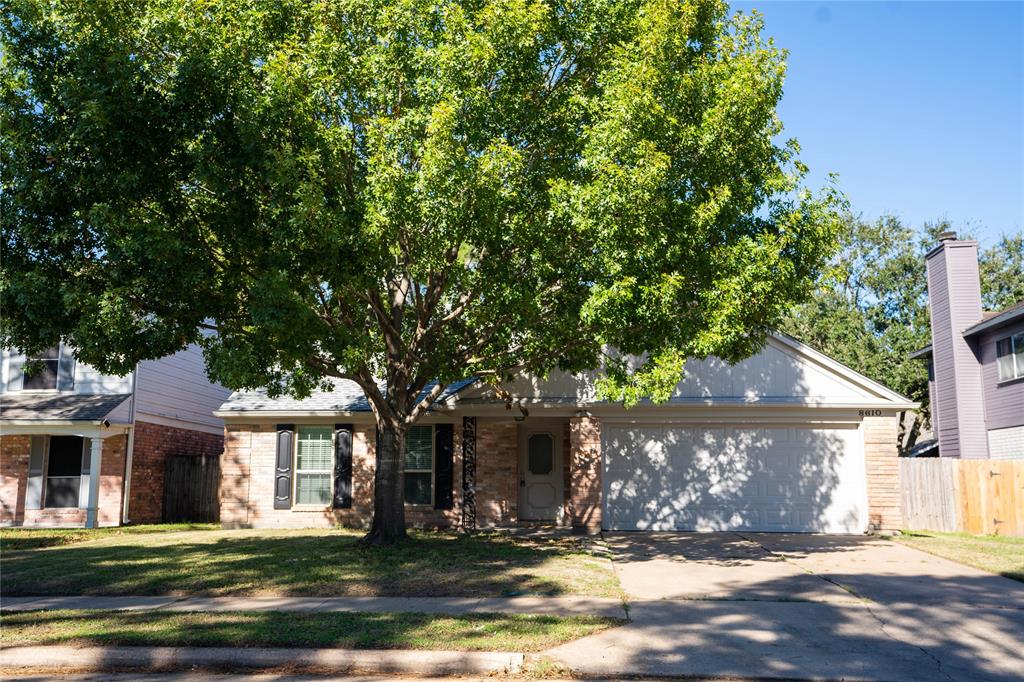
556 478
62 475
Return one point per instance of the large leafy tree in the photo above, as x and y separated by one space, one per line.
1002 271
401 193
870 309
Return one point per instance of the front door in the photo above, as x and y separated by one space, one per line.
541 486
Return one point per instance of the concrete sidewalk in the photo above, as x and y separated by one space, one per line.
553 606
379 661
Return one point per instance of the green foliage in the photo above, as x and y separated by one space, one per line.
1002 272
399 189
870 310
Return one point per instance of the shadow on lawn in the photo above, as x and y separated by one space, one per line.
429 564
21 539
475 631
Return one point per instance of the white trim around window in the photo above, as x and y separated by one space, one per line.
313 467
419 462
1010 357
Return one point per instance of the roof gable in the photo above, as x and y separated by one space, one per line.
784 371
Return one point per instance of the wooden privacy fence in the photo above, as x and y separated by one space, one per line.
963 495
192 489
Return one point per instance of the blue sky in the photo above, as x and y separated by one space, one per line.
918 106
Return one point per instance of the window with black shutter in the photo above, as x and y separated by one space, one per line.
41 371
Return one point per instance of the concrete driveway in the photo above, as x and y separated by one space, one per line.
765 605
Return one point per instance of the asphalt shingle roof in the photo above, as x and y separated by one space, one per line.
346 396
63 407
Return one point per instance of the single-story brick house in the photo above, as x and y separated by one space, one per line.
787 440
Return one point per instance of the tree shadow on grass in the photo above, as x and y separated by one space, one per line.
304 564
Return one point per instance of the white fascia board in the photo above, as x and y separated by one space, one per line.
711 407
789 344
319 417
249 415
90 429
568 406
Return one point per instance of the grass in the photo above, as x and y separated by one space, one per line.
471 632
307 563
994 553
17 539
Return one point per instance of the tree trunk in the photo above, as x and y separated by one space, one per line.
388 500
908 434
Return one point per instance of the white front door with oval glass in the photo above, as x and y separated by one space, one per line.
540 475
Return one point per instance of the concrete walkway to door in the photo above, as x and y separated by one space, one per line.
760 605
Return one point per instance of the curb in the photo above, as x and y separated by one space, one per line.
380 661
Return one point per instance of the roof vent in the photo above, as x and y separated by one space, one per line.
948 236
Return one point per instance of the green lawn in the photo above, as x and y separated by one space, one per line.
302 562
994 553
15 539
471 632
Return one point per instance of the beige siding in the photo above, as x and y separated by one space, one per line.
87 379
777 372
176 391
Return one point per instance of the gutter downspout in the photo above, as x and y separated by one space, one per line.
131 448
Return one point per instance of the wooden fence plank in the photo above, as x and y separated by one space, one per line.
973 496
192 489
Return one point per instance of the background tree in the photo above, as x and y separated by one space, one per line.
870 310
400 193
1002 272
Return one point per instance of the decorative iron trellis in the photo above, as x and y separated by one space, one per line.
469 473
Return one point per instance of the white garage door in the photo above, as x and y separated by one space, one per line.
709 478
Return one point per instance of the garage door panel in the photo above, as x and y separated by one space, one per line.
782 479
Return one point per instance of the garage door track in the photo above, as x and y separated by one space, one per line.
766 605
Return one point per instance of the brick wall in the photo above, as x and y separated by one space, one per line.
566 478
585 475
115 450
247 481
14 454
497 473
154 443
883 473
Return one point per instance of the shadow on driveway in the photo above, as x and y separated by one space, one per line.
804 606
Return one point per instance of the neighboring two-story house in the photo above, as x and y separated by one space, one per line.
976 360
82 448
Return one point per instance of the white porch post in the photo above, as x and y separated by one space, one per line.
95 461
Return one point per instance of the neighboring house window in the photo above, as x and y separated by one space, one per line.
314 465
44 376
65 467
419 465
1010 357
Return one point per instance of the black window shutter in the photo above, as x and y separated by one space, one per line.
443 466
283 467
342 466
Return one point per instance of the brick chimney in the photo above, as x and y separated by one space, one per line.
954 296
